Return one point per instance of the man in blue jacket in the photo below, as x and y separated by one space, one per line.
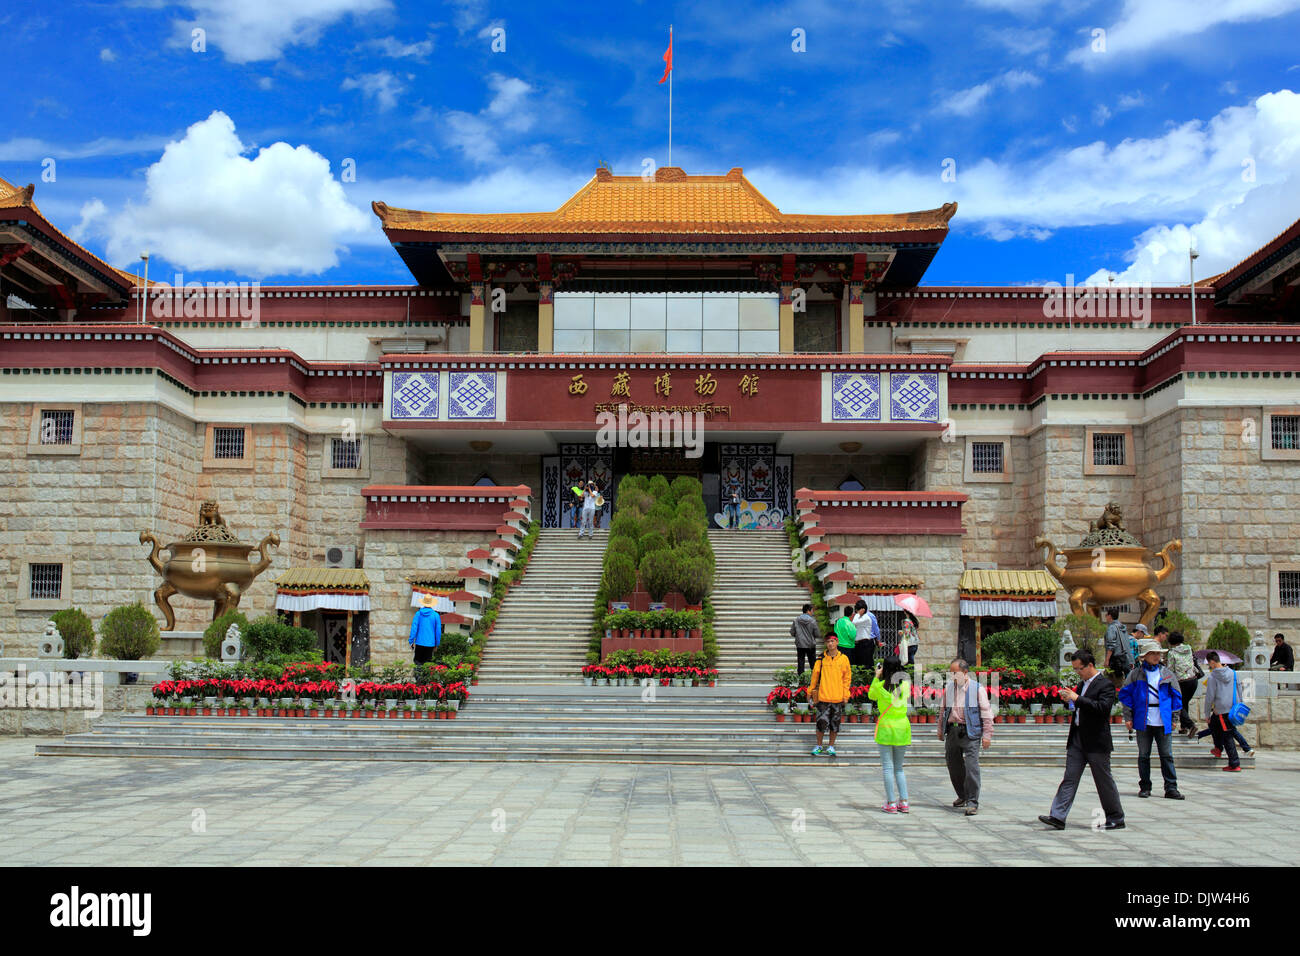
1151 697
426 630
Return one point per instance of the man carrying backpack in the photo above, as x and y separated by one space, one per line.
1220 694
1117 660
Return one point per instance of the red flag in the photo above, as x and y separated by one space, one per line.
668 56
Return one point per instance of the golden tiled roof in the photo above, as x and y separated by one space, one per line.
435 578
671 203
323 579
20 197
901 583
1007 582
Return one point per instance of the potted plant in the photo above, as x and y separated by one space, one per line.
371 708
779 713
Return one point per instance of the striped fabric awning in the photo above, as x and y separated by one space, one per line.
441 584
998 593
334 589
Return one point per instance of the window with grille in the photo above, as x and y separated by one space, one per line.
1288 588
346 453
986 457
46 582
1108 448
227 443
56 426
1286 432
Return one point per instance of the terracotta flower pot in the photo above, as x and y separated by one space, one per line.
207 711
451 714
697 633
780 718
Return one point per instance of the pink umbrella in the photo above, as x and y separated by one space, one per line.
1224 656
913 603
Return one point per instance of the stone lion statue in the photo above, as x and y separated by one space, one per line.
210 514
1112 517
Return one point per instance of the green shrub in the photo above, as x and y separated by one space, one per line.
77 631
129 633
659 489
1020 646
694 580
650 541
619 579
625 546
216 632
1184 625
624 526
1229 636
268 637
685 489
683 529
659 573
1086 630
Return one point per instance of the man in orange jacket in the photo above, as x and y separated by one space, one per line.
829 690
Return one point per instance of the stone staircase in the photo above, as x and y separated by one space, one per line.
544 624
727 726
755 597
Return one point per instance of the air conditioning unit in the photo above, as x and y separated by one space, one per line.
341 556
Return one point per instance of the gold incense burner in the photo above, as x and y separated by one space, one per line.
1110 566
210 563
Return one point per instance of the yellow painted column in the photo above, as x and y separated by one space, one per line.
476 319
546 318
786 319
856 336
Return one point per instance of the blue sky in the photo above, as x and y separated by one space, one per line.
1074 151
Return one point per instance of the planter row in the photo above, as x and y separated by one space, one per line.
932 718
637 682
395 714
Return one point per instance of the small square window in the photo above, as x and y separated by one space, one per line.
45 582
1288 588
228 443
345 453
56 426
1108 448
1285 432
986 457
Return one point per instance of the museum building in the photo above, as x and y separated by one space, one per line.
393 437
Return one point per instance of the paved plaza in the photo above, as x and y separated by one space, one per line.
95 811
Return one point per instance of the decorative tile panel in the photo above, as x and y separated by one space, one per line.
415 395
855 397
472 395
914 396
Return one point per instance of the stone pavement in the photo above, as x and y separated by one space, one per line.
88 811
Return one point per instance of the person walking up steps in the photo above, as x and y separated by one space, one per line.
891 691
426 630
1187 672
829 690
804 631
1220 695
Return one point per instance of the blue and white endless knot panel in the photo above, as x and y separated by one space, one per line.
855 397
415 395
472 395
914 396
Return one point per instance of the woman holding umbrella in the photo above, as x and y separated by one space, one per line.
914 606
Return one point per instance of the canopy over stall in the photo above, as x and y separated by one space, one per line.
311 589
441 584
995 593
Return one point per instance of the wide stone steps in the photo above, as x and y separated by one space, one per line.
680 726
543 625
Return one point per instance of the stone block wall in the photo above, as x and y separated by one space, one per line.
442 468
1273 723
118 699
876 472
335 506
392 555
937 558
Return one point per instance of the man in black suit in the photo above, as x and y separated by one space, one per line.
1088 744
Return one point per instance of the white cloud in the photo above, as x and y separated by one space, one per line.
1130 101
395 48
250 30
1101 113
1147 24
966 102
382 87
91 212
107 55
30 149
265 83
208 206
1022 40
477 135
